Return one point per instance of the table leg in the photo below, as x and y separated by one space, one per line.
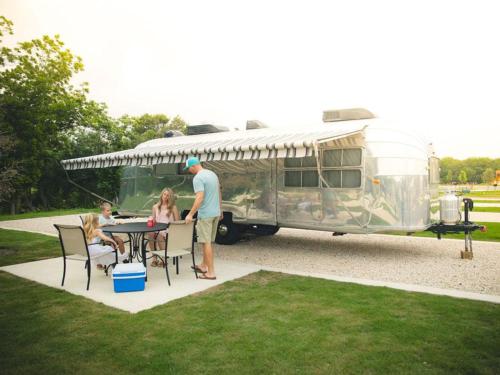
143 252
131 248
134 241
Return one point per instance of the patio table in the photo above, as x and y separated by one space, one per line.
135 232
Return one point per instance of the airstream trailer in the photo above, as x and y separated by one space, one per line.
349 176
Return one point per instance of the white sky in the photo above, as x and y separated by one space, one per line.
433 66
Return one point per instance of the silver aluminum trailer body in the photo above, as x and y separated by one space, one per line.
378 180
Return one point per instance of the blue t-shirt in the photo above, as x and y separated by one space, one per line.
208 182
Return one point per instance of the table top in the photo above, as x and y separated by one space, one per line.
136 227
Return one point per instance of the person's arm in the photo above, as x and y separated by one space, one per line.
103 237
221 216
196 205
176 213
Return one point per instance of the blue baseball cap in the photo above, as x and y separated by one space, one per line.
191 162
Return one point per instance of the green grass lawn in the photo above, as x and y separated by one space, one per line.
489 194
263 323
30 215
21 247
486 209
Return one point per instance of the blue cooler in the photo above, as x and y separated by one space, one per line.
129 277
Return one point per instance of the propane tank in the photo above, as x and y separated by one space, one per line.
449 209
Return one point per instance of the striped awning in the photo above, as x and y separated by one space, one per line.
234 145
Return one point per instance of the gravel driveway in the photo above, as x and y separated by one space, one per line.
411 260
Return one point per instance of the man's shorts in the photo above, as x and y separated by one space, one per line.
206 229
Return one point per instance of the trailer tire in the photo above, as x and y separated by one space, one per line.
228 233
263 230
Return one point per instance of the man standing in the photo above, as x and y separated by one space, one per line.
208 203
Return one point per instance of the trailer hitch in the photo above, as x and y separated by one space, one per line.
466 227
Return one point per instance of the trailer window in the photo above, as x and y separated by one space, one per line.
144 171
293 178
306 162
349 157
337 168
293 163
301 172
351 178
309 161
346 178
332 158
301 179
165 169
309 179
333 178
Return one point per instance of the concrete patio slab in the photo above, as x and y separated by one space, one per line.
157 292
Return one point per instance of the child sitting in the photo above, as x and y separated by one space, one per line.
105 219
94 236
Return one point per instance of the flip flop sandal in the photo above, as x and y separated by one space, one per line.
203 277
198 269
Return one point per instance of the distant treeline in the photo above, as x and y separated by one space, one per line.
471 170
44 118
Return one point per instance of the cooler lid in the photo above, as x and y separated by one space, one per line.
129 268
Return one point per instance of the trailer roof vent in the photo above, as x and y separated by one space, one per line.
173 133
205 129
347 114
255 124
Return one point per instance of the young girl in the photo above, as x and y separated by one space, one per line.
94 236
105 219
164 211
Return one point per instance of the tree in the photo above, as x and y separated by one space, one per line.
146 127
449 177
488 176
44 119
38 105
8 171
462 176
449 164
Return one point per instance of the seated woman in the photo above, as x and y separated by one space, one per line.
164 211
94 236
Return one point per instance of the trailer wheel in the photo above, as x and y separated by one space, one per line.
228 233
263 230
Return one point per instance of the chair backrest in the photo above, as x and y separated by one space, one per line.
72 239
180 236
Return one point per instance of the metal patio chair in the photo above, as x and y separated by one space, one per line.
180 241
109 233
74 246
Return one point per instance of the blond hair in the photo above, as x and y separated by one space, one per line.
90 224
105 205
170 201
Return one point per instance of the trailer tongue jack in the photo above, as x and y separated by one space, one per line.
466 227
